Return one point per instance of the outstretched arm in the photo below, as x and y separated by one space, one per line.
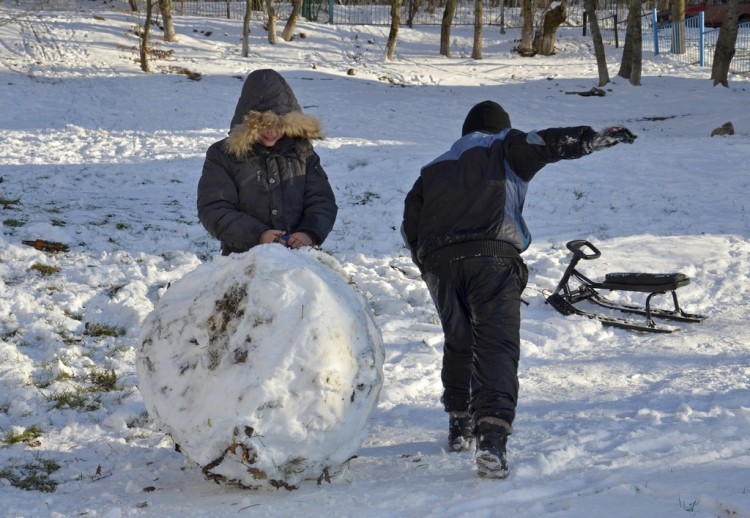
527 153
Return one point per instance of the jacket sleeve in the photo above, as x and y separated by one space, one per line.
410 225
527 153
218 205
320 207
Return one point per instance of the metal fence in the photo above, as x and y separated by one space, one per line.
689 41
698 49
503 13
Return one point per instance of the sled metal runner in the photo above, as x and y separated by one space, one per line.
566 300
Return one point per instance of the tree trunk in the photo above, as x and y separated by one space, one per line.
725 46
626 64
596 37
390 48
133 5
271 11
526 47
146 37
544 43
445 29
288 31
414 6
476 51
165 6
637 44
246 28
677 14
502 16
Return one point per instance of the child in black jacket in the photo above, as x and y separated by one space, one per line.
464 226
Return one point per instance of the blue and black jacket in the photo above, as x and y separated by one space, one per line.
469 201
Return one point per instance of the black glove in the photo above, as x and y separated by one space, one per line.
608 137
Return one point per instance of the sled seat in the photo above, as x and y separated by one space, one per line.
644 282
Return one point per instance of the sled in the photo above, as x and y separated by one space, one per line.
570 301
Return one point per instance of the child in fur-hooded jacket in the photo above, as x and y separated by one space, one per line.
264 183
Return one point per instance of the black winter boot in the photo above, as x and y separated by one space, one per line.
460 431
492 436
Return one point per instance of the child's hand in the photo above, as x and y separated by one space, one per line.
298 239
620 134
608 137
271 236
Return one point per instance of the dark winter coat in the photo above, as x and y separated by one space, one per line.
469 201
246 188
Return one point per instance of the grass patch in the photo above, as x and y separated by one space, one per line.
28 435
98 329
63 376
190 74
45 269
7 203
77 399
73 316
47 246
67 338
44 381
32 476
103 381
14 223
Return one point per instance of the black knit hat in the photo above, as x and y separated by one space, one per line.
488 117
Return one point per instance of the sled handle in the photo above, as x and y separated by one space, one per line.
576 246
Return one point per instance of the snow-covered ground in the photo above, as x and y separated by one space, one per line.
105 159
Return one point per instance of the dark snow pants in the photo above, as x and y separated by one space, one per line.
478 300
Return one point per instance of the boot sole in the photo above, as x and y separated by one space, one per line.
489 466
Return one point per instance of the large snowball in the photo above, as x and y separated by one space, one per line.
263 366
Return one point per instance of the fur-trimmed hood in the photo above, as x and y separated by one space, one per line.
295 125
268 100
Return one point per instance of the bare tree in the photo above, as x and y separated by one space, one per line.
445 29
544 41
390 48
271 12
626 62
632 51
291 22
725 46
133 5
636 43
526 47
246 28
165 6
476 50
596 37
146 36
414 6
502 16
677 15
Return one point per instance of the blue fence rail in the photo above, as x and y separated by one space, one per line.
689 40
